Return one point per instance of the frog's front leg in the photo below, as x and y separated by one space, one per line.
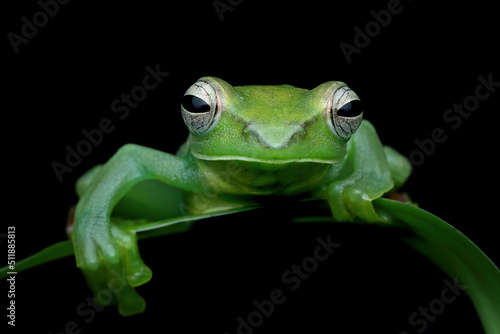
364 175
108 255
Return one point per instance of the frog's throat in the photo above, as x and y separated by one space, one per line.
263 161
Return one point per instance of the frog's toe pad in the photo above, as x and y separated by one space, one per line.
140 276
130 302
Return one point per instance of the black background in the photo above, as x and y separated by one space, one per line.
64 79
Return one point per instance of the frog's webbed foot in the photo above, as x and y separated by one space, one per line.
113 268
347 203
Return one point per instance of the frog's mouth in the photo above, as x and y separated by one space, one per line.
270 161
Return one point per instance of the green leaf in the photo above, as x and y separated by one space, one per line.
449 249
54 252
454 253
146 230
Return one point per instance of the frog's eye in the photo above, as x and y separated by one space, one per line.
345 112
201 107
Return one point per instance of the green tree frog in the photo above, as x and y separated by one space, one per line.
246 145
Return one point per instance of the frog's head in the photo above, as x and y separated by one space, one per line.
270 124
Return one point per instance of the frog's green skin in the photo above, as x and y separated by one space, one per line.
247 145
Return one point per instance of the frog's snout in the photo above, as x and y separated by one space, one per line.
273 137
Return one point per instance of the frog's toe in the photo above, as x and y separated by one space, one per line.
130 302
87 259
109 253
140 276
361 206
137 272
97 280
113 284
348 203
122 283
337 203
113 268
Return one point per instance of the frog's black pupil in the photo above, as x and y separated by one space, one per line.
351 109
194 104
